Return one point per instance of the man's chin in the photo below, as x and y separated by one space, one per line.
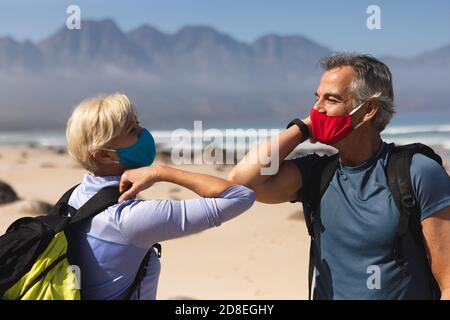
339 144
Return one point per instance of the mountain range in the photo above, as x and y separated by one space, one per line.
197 73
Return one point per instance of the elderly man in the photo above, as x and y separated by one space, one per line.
366 244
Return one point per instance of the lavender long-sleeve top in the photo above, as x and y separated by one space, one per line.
110 247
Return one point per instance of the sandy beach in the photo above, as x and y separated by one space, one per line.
263 254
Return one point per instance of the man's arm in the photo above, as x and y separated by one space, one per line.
277 188
436 231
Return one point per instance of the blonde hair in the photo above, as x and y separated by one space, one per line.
94 123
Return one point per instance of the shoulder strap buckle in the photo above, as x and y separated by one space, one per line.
158 248
408 201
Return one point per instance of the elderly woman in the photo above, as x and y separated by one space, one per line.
104 136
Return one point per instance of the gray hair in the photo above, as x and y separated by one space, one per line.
374 80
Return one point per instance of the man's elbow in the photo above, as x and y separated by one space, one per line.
235 177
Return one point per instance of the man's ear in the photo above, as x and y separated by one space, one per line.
103 156
372 110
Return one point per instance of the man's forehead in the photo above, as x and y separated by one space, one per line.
337 79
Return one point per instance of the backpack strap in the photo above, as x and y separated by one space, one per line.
321 175
400 184
56 219
142 272
319 180
140 275
310 268
103 199
60 208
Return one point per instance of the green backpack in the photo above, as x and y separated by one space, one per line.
33 252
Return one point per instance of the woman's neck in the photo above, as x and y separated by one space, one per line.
104 172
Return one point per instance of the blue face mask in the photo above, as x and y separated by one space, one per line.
140 154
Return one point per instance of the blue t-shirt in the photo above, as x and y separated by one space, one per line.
356 230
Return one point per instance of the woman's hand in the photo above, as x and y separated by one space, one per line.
134 181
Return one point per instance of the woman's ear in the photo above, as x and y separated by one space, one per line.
104 157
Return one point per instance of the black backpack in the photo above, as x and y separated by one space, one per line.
33 251
399 182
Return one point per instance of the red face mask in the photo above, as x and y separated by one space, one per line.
330 130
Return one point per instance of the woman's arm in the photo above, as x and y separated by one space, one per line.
135 180
145 222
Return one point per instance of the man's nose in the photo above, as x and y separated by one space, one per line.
318 106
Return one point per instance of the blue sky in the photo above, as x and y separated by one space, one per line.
408 27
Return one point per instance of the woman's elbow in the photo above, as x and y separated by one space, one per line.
247 198
251 198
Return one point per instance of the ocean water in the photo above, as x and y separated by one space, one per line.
431 129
